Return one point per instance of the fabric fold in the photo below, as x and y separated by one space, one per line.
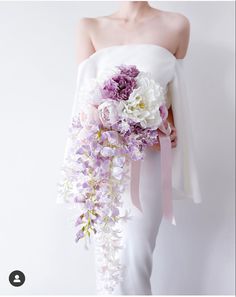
85 71
185 181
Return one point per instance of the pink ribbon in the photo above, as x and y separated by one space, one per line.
166 176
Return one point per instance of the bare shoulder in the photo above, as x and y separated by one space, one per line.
84 43
85 24
82 29
180 26
95 23
178 20
90 26
182 22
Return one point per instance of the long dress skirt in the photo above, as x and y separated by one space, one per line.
140 233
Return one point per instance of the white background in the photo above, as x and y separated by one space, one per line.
37 83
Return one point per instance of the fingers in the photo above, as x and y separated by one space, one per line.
157 146
174 143
173 133
173 138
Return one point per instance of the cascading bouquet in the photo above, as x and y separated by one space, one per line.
120 114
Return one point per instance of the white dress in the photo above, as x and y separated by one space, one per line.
139 234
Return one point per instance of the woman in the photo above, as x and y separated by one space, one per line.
156 41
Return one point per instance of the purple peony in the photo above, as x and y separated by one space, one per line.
120 86
130 70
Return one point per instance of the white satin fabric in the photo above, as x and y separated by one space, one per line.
140 233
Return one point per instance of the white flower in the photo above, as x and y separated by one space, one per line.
112 137
107 151
83 134
117 172
144 103
88 114
108 112
123 126
119 161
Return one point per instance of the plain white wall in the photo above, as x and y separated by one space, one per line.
37 84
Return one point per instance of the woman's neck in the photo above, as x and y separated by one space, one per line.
133 10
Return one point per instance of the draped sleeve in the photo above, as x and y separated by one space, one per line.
86 70
185 174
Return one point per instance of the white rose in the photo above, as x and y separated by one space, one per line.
108 112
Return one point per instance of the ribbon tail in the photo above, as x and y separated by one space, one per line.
134 183
166 178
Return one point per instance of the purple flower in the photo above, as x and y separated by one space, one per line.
78 221
75 123
89 204
79 199
115 211
119 87
85 185
79 234
129 70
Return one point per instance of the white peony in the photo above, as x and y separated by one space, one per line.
144 103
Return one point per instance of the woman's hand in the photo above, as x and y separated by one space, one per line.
173 138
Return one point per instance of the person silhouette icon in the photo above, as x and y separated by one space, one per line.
17 279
